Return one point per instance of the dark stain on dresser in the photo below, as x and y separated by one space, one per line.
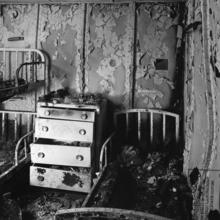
72 179
41 171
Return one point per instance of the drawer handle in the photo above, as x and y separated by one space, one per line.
40 178
41 155
82 131
79 157
45 128
84 116
47 112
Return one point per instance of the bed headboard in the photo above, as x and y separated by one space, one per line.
151 127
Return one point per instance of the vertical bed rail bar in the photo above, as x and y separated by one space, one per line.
164 126
139 125
15 126
28 122
127 124
177 128
151 126
22 61
16 59
29 67
10 69
4 119
4 63
26 67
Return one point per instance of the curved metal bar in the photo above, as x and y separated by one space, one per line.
100 212
18 146
152 112
103 153
157 111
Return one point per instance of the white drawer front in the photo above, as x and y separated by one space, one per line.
61 155
62 113
64 130
60 179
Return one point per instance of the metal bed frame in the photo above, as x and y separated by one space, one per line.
153 115
31 65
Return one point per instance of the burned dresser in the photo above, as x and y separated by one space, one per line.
68 137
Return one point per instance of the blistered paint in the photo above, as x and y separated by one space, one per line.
156 39
61 35
18 21
108 50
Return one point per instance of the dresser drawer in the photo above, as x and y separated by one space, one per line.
60 179
62 113
61 155
64 130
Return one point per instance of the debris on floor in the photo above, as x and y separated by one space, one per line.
9 208
6 156
151 183
161 187
43 206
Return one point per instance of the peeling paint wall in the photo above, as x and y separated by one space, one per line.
18 21
202 95
94 52
214 33
61 36
195 93
109 50
156 39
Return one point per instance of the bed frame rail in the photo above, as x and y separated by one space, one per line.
148 127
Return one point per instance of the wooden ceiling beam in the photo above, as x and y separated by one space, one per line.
84 1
